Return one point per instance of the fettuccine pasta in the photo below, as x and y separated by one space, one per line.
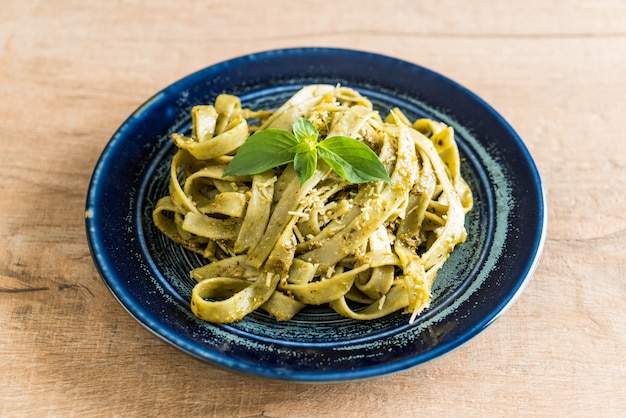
365 250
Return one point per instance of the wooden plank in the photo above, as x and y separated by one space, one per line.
71 72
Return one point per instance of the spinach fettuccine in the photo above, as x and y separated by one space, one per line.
278 241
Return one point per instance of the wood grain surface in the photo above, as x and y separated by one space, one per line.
71 71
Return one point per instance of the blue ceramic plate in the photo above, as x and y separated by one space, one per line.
150 276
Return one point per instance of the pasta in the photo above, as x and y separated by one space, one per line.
365 250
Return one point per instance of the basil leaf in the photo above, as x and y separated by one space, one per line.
304 165
305 131
303 147
352 160
262 151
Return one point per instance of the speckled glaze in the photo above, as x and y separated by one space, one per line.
149 275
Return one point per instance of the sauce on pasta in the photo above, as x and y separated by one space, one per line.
365 250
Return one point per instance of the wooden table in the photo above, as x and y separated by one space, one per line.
72 71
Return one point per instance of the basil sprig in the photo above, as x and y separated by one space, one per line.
352 160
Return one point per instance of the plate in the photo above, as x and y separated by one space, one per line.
149 275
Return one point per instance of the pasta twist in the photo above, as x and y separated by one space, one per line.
366 250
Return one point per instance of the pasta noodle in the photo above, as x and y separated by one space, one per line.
365 250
